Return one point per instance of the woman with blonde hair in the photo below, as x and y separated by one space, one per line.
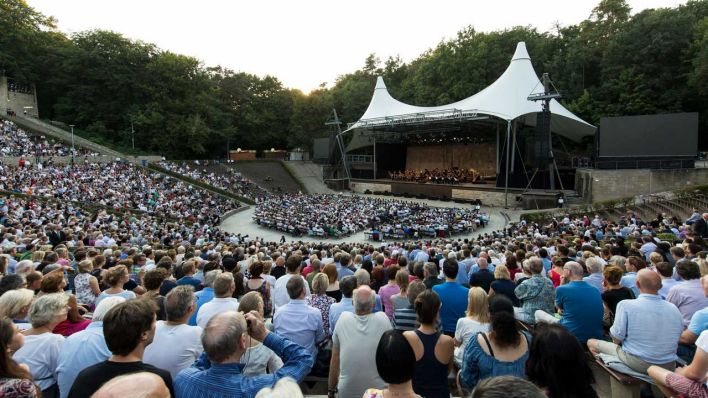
86 285
53 283
115 278
319 298
503 285
37 257
257 357
15 305
476 320
400 300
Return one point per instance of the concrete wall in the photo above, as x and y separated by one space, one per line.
361 187
599 185
17 101
488 198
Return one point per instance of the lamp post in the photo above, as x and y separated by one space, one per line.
72 143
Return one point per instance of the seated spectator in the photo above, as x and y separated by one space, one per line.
132 385
430 273
483 277
634 264
14 378
54 282
364 279
453 297
115 278
614 292
41 349
648 328
503 285
15 304
284 388
594 266
535 293
153 280
665 271
333 290
258 358
506 387
688 295
320 300
224 287
501 351
189 269
280 291
86 285
405 318
475 321
579 304
128 328
297 321
395 364
257 283
688 381
347 284
85 348
176 345
557 271
433 350
353 369
218 371
388 290
557 363
400 300
205 295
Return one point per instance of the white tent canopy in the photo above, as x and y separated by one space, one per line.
506 98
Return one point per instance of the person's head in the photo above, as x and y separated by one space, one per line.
664 269
612 275
320 283
15 304
402 279
478 304
501 272
450 269
49 310
504 328
506 387
427 307
573 271
284 388
251 301
362 278
557 363
414 289
210 277
594 265
11 340
331 271
430 270
347 285
395 359
293 264
129 325
12 282
104 306
34 280
224 285
224 338
648 281
116 276
296 288
153 279
677 252
85 266
137 385
635 263
535 265
180 303
364 300
256 269
688 270
391 273
189 267
53 282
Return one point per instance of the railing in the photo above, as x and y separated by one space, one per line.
360 159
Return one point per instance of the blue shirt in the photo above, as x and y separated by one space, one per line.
300 323
212 380
595 280
478 365
699 322
203 296
343 271
79 351
345 305
475 268
462 274
629 280
666 285
454 303
189 280
582 309
648 327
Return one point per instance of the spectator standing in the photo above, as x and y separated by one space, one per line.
430 273
115 278
189 268
389 290
320 300
405 318
453 297
256 283
347 284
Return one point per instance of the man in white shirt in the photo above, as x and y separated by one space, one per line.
224 287
176 345
280 291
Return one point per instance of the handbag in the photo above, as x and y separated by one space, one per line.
324 355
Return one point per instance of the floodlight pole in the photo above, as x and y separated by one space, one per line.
506 171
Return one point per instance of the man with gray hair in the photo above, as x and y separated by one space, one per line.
85 348
364 279
176 344
224 287
205 295
578 303
297 321
594 266
218 371
353 366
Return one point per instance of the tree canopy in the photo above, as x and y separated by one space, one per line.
613 63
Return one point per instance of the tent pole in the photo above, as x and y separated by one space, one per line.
497 148
513 145
374 156
506 171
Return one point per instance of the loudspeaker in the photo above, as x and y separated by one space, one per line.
541 139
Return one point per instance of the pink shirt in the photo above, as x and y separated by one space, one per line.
386 292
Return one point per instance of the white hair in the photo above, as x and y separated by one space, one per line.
105 305
284 388
24 267
45 309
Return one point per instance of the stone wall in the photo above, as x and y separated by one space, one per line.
361 187
18 102
488 198
599 185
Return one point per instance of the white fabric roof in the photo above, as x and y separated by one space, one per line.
506 98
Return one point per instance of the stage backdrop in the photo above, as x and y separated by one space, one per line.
481 157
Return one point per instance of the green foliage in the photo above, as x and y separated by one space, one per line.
613 63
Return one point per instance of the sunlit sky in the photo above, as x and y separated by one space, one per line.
305 43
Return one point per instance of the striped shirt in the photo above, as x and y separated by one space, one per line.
206 379
404 319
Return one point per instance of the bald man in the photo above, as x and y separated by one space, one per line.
137 385
648 328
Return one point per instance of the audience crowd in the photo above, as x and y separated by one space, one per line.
15 141
453 175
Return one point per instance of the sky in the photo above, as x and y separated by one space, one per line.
308 42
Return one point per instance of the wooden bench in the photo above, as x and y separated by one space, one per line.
621 385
